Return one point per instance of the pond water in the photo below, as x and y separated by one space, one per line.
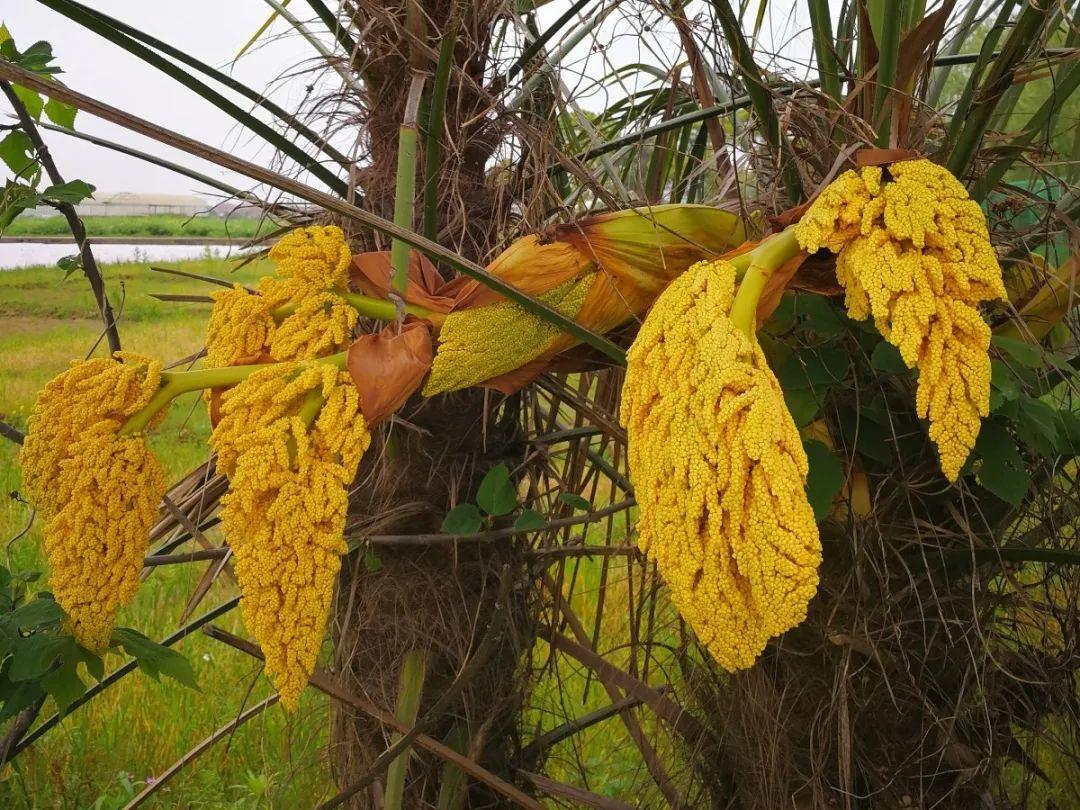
15 255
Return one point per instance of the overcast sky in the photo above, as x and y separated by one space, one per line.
215 30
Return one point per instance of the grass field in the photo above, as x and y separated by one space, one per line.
102 755
151 225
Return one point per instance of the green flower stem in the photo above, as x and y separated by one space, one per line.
410 690
175 383
405 187
764 260
310 407
308 413
378 308
741 263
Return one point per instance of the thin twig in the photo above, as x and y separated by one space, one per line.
89 264
558 552
23 720
571 727
191 556
183 298
221 282
198 750
579 796
494 534
12 433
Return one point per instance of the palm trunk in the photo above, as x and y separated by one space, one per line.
435 600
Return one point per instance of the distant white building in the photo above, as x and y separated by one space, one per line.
132 204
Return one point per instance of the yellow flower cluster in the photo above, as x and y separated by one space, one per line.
266 396
311 263
285 512
719 471
240 326
836 215
915 254
317 257
98 491
483 342
321 325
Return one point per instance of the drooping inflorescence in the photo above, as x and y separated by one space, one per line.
322 324
482 342
98 491
289 466
240 327
719 471
289 438
316 257
915 254
312 263
266 396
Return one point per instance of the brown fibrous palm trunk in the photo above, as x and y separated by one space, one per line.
437 599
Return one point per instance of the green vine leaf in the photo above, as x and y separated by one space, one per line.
530 521
73 191
886 358
32 100
17 151
1002 470
61 114
1024 353
64 685
820 316
17 696
497 495
34 655
825 478
154 659
465 518
15 199
572 499
70 264
40 614
372 563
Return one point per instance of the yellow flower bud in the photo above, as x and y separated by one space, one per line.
240 326
482 342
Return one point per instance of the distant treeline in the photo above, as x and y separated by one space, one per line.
149 225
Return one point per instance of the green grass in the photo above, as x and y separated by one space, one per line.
150 225
102 755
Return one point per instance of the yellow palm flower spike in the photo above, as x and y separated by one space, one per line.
719 470
284 514
482 342
311 263
322 324
919 262
240 326
98 491
318 257
266 396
